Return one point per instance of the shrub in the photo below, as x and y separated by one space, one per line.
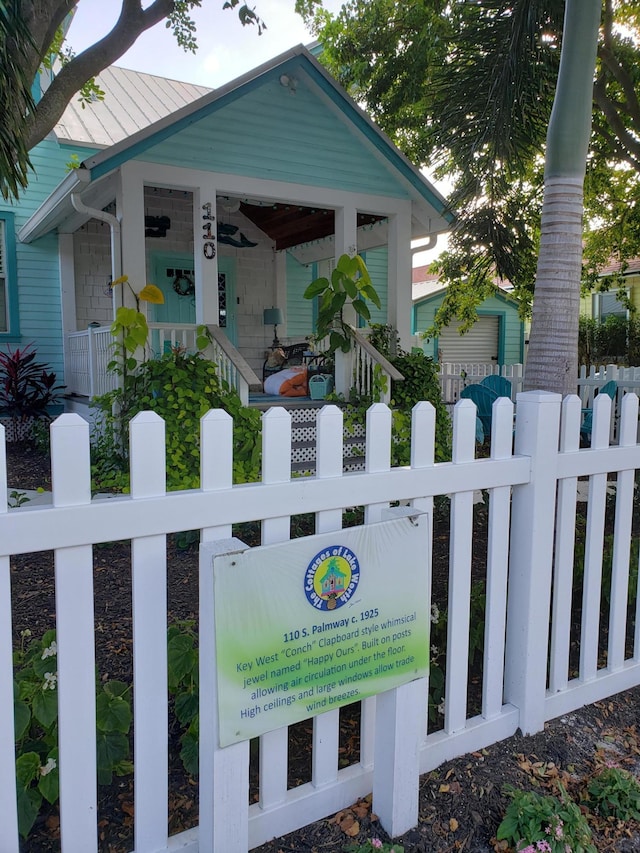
180 388
534 822
27 389
614 793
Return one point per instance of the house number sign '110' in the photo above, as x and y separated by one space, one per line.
209 246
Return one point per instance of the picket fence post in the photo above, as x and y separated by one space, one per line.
149 611
531 558
8 813
75 639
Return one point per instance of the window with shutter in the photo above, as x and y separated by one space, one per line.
9 324
4 325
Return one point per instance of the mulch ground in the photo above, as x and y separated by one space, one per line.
461 803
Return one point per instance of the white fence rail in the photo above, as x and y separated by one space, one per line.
530 547
454 376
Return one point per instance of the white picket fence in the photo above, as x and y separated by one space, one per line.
532 485
454 376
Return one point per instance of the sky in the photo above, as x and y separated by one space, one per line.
226 49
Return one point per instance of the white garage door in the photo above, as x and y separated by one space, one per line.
478 345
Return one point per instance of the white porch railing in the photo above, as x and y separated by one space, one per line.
89 352
527 677
357 370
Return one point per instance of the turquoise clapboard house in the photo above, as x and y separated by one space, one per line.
498 336
231 201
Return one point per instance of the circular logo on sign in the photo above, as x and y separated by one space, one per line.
332 577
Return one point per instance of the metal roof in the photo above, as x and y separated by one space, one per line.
132 101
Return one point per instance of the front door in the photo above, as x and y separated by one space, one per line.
174 275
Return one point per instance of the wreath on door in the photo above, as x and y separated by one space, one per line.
183 285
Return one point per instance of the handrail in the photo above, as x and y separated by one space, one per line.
232 365
355 369
377 356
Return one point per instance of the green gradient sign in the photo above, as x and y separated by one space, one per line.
317 623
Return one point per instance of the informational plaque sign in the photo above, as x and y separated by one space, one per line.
319 622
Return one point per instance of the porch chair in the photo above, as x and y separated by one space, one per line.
484 398
499 384
611 389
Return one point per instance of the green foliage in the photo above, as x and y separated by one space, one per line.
15 89
36 727
438 646
350 284
488 71
532 819
420 383
183 688
180 388
27 389
614 792
616 339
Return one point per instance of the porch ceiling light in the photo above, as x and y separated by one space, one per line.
273 317
289 83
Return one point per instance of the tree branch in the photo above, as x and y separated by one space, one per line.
133 21
610 111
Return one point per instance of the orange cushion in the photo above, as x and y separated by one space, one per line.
296 385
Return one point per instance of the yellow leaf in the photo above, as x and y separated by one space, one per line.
453 824
151 293
122 280
443 789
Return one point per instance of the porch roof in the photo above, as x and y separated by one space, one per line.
96 174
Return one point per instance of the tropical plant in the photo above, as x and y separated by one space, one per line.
32 35
467 89
27 388
349 286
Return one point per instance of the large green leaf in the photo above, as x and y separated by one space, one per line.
29 803
189 753
181 658
186 706
113 713
113 748
315 288
21 717
45 707
27 768
49 784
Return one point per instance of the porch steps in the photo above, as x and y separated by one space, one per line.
303 443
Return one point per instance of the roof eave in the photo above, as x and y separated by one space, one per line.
46 216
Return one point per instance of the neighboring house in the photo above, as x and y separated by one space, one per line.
231 201
602 304
497 336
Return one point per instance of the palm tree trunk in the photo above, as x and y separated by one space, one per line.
552 359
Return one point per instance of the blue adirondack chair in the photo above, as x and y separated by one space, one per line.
499 384
484 398
611 389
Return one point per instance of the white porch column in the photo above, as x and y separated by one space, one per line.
130 212
280 298
67 293
346 228
399 276
205 251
